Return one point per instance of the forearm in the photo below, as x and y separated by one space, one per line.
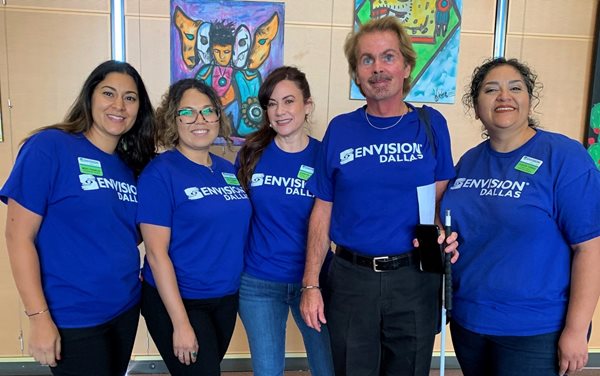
156 242
585 285
318 241
22 226
25 267
168 289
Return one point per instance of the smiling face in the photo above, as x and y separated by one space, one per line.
287 109
200 134
381 69
503 102
114 109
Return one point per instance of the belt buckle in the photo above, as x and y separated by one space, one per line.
375 259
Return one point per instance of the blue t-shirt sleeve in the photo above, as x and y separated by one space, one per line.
321 183
444 169
30 182
577 217
155 203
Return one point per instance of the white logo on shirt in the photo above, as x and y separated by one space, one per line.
492 187
88 182
391 152
193 193
257 180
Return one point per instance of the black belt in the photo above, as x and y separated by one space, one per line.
377 263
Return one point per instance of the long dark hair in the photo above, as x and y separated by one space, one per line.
167 111
258 141
136 147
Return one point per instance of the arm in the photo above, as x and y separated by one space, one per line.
22 226
585 290
156 242
311 304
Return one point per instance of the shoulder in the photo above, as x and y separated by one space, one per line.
562 149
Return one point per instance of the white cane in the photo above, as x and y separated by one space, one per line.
446 293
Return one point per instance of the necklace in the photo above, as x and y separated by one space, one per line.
383 128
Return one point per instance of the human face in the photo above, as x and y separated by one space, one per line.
503 101
115 106
287 109
200 134
381 69
222 54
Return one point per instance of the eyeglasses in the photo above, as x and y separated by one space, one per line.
190 115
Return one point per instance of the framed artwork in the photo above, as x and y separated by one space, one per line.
230 45
593 129
434 27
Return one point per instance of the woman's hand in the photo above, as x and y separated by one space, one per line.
44 340
185 344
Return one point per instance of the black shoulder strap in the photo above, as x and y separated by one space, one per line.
424 118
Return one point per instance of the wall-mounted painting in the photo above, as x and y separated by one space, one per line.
434 27
230 45
593 129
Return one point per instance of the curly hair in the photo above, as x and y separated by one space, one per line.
167 111
471 96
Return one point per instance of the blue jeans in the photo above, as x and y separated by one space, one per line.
480 354
264 307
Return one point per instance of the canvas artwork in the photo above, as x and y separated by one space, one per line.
434 27
230 45
592 139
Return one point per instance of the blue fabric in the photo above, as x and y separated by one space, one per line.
371 177
208 218
264 308
87 241
515 231
276 249
482 354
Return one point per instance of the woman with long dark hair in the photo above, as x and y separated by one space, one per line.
70 230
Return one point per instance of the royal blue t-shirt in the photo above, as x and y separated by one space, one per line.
516 215
87 241
276 249
371 176
208 214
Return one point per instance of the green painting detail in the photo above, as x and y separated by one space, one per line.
592 141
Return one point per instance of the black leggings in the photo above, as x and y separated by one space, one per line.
213 321
103 350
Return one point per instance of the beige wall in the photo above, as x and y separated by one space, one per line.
47 48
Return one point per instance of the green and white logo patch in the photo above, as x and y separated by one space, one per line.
90 166
230 178
305 172
528 165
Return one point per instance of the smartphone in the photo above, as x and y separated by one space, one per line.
431 255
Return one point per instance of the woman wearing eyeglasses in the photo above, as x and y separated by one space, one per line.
194 219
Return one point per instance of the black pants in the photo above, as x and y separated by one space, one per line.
381 323
103 350
213 321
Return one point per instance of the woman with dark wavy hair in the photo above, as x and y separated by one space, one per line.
526 284
70 230
194 219
273 166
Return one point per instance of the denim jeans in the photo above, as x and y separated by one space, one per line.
480 354
264 308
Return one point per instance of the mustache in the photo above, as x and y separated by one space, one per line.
379 77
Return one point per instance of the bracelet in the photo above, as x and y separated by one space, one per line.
308 287
36 313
